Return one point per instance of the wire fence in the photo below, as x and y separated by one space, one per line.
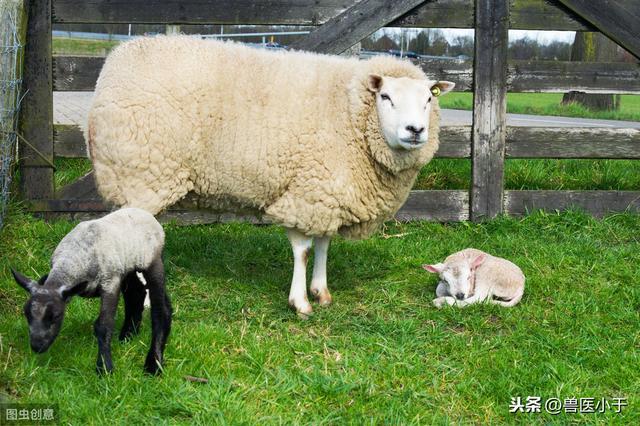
11 53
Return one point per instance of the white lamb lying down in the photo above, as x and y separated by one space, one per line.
471 276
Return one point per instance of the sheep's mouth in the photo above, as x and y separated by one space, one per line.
412 143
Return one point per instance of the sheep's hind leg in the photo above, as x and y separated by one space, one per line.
133 293
103 329
160 316
301 245
319 287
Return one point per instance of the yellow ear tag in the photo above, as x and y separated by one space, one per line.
435 90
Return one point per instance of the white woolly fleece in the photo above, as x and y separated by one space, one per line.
292 135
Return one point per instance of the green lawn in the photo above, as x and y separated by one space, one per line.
456 174
82 47
549 104
381 354
538 174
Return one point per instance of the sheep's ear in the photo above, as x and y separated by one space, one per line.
374 83
434 269
68 293
24 282
478 261
442 87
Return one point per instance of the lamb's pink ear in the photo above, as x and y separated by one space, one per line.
442 87
374 83
478 261
434 269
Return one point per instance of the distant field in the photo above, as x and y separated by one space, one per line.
538 174
70 46
456 174
549 104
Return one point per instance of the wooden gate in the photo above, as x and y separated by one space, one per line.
340 24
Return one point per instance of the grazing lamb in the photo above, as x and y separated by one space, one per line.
319 144
100 258
471 276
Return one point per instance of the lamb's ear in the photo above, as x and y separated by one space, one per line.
478 261
374 83
442 87
68 293
434 269
24 282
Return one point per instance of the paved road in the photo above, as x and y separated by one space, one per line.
71 108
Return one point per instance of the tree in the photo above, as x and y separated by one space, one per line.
421 43
462 45
593 47
439 44
524 49
384 43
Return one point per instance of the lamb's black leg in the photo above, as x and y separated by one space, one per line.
160 315
133 293
103 329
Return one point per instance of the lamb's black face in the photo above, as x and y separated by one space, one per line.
44 313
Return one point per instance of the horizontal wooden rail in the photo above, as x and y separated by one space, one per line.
597 203
525 14
442 206
455 142
79 73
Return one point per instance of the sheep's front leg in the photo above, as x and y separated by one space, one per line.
444 300
103 329
160 316
301 245
319 287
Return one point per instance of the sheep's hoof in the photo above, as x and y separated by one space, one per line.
152 365
104 369
304 310
323 297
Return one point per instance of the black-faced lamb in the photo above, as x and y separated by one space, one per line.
472 276
100 258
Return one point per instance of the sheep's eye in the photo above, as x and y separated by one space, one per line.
429 100
385 97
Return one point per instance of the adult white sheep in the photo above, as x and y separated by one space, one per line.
319 144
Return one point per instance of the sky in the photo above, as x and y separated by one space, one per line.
543 37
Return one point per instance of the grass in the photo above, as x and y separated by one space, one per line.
456 174
549 104
537 174
68 170
81 47
380 354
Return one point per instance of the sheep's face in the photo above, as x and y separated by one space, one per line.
44 310
404 108
44 313
456 275
459 275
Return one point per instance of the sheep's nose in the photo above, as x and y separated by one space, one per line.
460 296
415 130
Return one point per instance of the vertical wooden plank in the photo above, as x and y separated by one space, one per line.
489 107
36 115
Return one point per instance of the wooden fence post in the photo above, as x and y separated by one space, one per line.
489 108
36 115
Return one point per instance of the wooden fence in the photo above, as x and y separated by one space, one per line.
340 24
